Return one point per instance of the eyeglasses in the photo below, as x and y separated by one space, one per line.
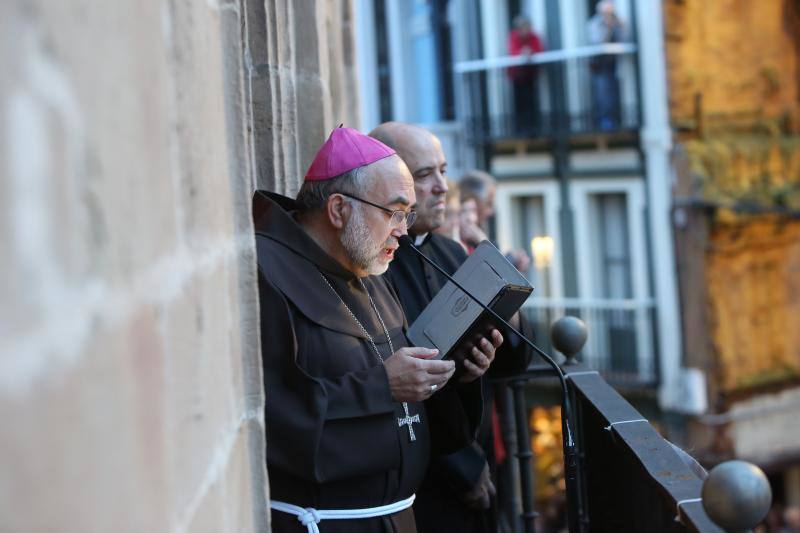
397 216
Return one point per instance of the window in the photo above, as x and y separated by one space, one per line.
529 220
610 245
611 263
526 212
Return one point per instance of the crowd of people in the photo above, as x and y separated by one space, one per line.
366 433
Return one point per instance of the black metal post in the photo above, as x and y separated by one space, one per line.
561 168
511 499
571 475
524 456
637 71
560 148
580 450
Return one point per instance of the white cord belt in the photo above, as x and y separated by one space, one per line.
310 517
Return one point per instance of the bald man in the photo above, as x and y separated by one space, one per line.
457 493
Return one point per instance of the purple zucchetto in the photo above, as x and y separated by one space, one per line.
345 150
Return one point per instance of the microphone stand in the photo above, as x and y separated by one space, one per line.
571 464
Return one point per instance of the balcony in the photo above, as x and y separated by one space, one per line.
621 343
577 92
622 475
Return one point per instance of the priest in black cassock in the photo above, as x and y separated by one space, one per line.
457 493
352 412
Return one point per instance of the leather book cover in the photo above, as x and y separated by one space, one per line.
452 322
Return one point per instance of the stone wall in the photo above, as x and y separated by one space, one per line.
734 89
133 134
733 60
306 77
753 281
753 170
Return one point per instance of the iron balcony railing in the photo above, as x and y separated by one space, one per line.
630 478
584 90
622 335
619 473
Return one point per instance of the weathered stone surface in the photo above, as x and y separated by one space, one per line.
740 56
130 388
753 170
734 84
310 87
753 279
133 134
764 428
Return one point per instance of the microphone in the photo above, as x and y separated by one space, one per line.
570 452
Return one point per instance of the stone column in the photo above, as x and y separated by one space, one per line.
130 388
302 78
133 134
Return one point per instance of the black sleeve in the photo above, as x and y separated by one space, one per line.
454 416
462 468
321 429
513 356
457 252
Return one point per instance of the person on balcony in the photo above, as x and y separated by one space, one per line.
603 28
458 493
522 41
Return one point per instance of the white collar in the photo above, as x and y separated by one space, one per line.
419 239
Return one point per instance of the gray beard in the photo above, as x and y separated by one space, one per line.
356 242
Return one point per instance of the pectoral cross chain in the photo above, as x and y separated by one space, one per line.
408 420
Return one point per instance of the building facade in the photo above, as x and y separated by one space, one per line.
671 229
734 93
595 198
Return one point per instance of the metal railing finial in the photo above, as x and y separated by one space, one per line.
736 495
568 335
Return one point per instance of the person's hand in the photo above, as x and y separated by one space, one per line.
482 356
480 496
519 259
413 376
472 233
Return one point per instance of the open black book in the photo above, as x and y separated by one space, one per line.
453 322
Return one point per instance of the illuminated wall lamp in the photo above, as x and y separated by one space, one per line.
542 250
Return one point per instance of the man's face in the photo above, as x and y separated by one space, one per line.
423 155
469 212
486 207
451 218
369 238
607 10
